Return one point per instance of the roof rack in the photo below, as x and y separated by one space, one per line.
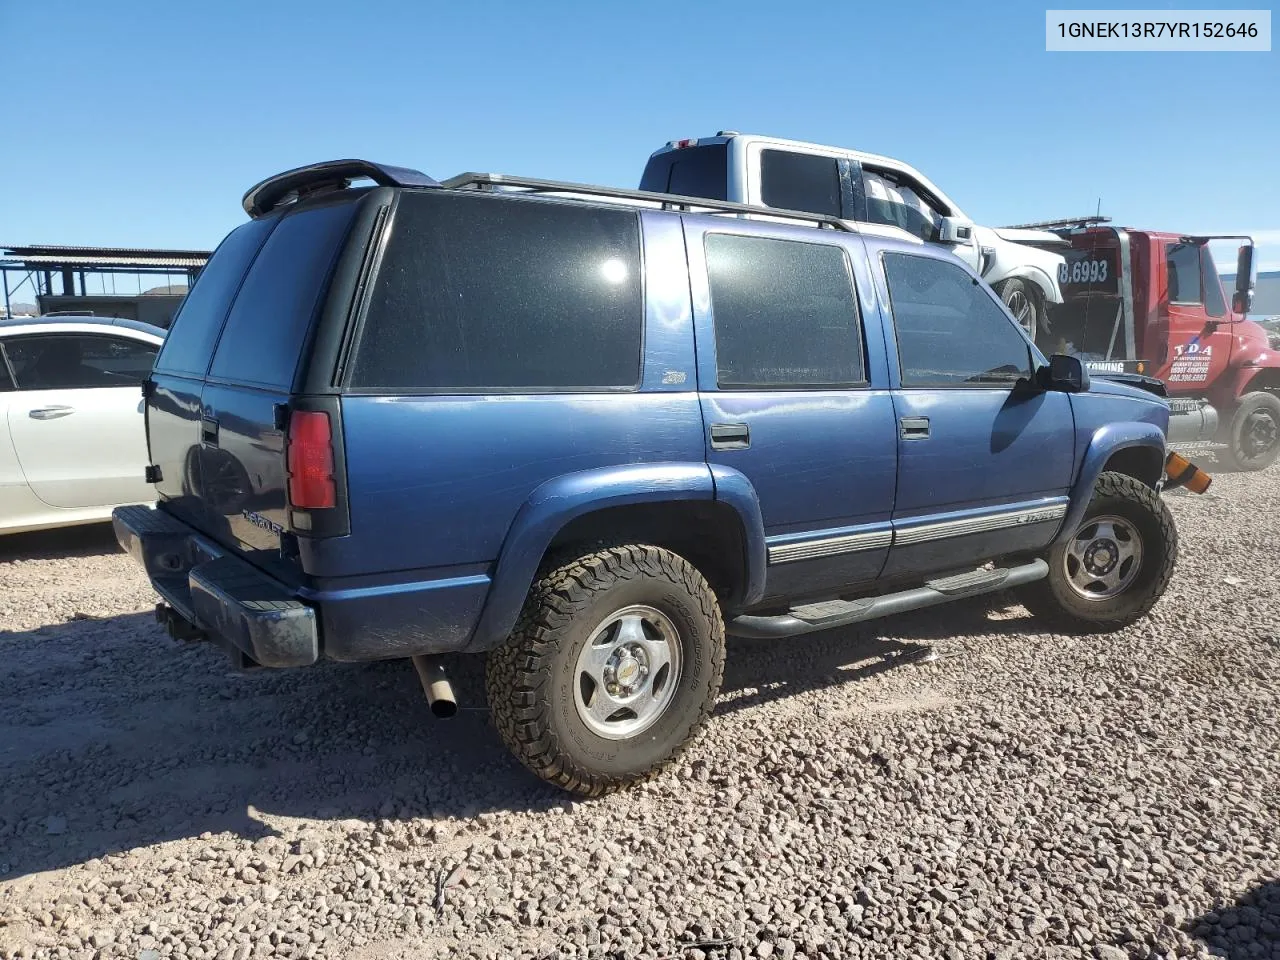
667 201
1059 224
331 175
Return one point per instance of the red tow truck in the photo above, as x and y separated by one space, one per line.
1152 303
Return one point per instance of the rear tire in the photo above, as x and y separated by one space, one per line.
1116 564
613 667
1253 435
1026 304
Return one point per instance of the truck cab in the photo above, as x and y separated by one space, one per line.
1021 265
1153 303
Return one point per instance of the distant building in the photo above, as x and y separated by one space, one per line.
99 280
1266 293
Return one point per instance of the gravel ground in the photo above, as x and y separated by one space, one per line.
1024 794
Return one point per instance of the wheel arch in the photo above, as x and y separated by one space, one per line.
704 515
1263 378
1045 284
1136 449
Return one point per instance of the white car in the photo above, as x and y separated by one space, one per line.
73 442
1020 265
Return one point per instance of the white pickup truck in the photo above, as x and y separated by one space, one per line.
1021 265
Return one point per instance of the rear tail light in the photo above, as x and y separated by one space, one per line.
310 461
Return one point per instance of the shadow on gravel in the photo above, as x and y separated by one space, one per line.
1247 929
89 540
115 737
762 671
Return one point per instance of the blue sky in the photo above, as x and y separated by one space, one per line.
141 124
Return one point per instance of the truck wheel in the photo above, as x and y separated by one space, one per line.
1025 303
1116 564
1253 437
614 665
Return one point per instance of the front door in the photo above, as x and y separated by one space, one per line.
898 200
1200 334
794 395
76 418
985 463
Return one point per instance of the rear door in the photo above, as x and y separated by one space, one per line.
984 466
244 404
173 410
76 418
795 396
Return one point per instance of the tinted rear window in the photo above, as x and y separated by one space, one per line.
268 325
692 172
486 293
194 331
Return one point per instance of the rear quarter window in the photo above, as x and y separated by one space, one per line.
479 293
267 328
691 172
194 331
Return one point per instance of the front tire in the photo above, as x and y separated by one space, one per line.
1253 436
1025 303
613 667
1116 564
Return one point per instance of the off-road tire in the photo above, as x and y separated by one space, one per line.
529 678
1054 599
1235 457
1010 290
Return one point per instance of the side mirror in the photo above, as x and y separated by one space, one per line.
1064 374
1242 299
955 230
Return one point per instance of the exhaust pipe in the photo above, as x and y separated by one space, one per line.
436 685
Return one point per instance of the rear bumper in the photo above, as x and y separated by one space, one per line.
229 600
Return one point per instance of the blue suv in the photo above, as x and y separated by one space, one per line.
588 432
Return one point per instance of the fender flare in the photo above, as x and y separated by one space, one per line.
1103 445
562 499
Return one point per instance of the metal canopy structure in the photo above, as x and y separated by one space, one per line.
60 277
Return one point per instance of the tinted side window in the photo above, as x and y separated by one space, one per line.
800 181
488 293
78 361
950 330
268 325
692 172
189 345
6 381
785 313
1183 261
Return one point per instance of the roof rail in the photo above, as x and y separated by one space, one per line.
331 175
667 201
1059 224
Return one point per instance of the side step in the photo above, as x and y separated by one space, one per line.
838 613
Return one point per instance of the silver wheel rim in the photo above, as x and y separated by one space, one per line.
1019 305
1103 558
627 672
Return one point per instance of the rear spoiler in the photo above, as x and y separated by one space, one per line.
331 175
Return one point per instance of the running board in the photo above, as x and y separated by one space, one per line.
838 613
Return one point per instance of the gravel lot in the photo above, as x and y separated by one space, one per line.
1024 794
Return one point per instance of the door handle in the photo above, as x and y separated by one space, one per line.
730 436
209 431
914 428
51 413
